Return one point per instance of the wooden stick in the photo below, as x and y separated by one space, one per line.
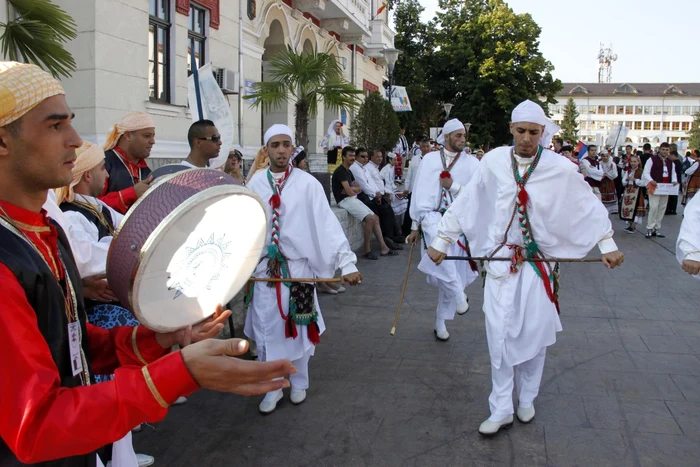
530 260
295 279
403 290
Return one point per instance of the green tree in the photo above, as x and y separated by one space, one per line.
486 61
304 79
413 38
376 125
35 32
694 133
569 125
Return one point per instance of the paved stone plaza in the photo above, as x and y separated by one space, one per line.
621 385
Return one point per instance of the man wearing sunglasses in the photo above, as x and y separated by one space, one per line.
205 143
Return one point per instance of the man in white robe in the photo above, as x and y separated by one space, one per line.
519 304
441 177
399 201
688 244
305 239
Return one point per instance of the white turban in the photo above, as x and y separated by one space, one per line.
530 112
278 129
450 127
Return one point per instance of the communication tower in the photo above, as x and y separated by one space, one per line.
605 59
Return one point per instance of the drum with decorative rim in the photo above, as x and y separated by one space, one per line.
191 242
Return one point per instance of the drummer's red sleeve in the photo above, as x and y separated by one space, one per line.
120 200
122 346
40 421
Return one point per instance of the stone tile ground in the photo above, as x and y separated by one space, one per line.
621 385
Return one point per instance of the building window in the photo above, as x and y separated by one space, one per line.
637 125
610 110
601 109
675 126
620 110
629 109
657 125
648 110
628 124
685 110
196 37
647 125
638 110
657 110
159 50
665 126
685 126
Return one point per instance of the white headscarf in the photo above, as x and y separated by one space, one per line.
278 129
530 112
450 127
331 129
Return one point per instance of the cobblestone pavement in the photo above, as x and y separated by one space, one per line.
621 385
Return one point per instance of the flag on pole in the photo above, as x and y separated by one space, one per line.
582 149
382 8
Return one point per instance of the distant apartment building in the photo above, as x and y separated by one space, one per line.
653 112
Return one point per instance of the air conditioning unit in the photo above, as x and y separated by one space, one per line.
228 80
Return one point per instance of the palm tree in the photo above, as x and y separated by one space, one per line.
304 78
37 35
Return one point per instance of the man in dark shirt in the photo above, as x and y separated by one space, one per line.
345 191
646 154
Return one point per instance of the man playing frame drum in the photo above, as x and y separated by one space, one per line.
305 240
53 412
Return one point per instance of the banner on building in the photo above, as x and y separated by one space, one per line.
215 107
399 99
617 136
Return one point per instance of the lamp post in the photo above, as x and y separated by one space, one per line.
467 126
391 56
447 108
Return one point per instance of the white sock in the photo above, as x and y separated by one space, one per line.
440 325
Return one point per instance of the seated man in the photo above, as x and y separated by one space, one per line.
398 199
373 196
345 191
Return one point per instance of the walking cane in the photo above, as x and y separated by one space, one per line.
295 279
528 260
403 290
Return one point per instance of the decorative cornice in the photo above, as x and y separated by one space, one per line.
336 24
183 7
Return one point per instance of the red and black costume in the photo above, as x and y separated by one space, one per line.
119 193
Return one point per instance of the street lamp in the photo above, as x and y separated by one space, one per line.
447 108
467 126
391 56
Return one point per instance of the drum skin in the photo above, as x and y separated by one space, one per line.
149 218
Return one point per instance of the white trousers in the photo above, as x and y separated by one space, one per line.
449 293
526 377
299 380
657 209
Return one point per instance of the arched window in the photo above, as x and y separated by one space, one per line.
625 89
579 90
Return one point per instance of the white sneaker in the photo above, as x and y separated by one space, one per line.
441 330
297 397
180 401
489 428
269 403
145 460
462 308
525 415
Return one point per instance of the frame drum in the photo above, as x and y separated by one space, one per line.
189 243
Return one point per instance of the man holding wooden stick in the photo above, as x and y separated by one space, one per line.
524 203
305 241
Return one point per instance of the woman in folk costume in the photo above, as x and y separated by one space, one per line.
608 193
508 211
333 143
633 207
692 184
305 240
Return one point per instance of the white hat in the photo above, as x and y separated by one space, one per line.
278 129
451 126
530 112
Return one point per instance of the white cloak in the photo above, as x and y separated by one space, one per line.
688 244
426 201
314 244
567 221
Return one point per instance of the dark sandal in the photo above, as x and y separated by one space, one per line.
391 253
370 255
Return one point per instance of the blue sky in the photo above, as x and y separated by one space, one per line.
656 41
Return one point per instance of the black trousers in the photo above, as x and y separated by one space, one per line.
672 204
387 220
407 221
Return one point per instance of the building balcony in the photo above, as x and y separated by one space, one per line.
347 18
382 38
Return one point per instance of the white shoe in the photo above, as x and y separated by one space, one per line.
441 335
462 308
145 460
525 415
297 397
340 289
180 401
489 428
269 403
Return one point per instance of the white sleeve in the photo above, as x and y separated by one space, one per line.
363 180
646 175
625 177
90 252
449 228
592 172
691 170
674 175
612 174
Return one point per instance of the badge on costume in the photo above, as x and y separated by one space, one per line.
74 344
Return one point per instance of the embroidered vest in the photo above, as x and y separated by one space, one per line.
657 169
119 176
45 295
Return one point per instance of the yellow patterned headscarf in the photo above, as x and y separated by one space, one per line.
89 156
132 122
23 87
